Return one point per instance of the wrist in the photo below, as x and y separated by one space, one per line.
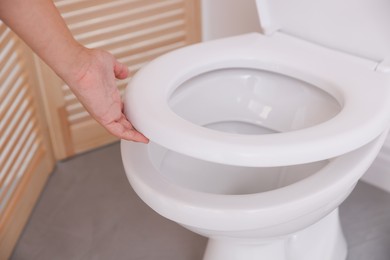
71 63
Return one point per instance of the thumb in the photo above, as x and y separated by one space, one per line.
120 70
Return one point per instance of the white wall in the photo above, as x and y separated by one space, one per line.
379 172
222 18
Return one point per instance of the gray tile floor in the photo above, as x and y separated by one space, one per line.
89 211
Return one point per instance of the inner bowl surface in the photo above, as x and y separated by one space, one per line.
209 177
256 101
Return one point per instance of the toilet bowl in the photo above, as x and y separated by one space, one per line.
281 213
257 139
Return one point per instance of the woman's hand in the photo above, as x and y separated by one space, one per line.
92 80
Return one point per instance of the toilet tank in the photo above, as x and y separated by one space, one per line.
358 27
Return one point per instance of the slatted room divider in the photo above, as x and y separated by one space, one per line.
25 154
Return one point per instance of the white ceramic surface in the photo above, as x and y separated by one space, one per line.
363 114
195 193
256 140
359 27
241 205
321 241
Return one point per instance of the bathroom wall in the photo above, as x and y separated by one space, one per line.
221 18
379 172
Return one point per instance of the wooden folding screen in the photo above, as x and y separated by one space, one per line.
25 153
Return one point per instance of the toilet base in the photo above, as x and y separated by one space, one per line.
323 240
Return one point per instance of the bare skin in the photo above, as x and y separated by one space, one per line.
89 73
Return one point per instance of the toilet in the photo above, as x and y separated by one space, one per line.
255 140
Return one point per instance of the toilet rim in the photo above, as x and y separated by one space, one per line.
147 108
207 210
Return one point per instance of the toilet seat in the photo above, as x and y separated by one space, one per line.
363 93
309 197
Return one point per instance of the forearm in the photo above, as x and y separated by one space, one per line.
40 25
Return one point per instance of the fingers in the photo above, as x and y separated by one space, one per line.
120 70
134 135
124 130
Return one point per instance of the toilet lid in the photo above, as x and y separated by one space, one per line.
363 94
360 27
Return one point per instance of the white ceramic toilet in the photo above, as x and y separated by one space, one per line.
257 139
